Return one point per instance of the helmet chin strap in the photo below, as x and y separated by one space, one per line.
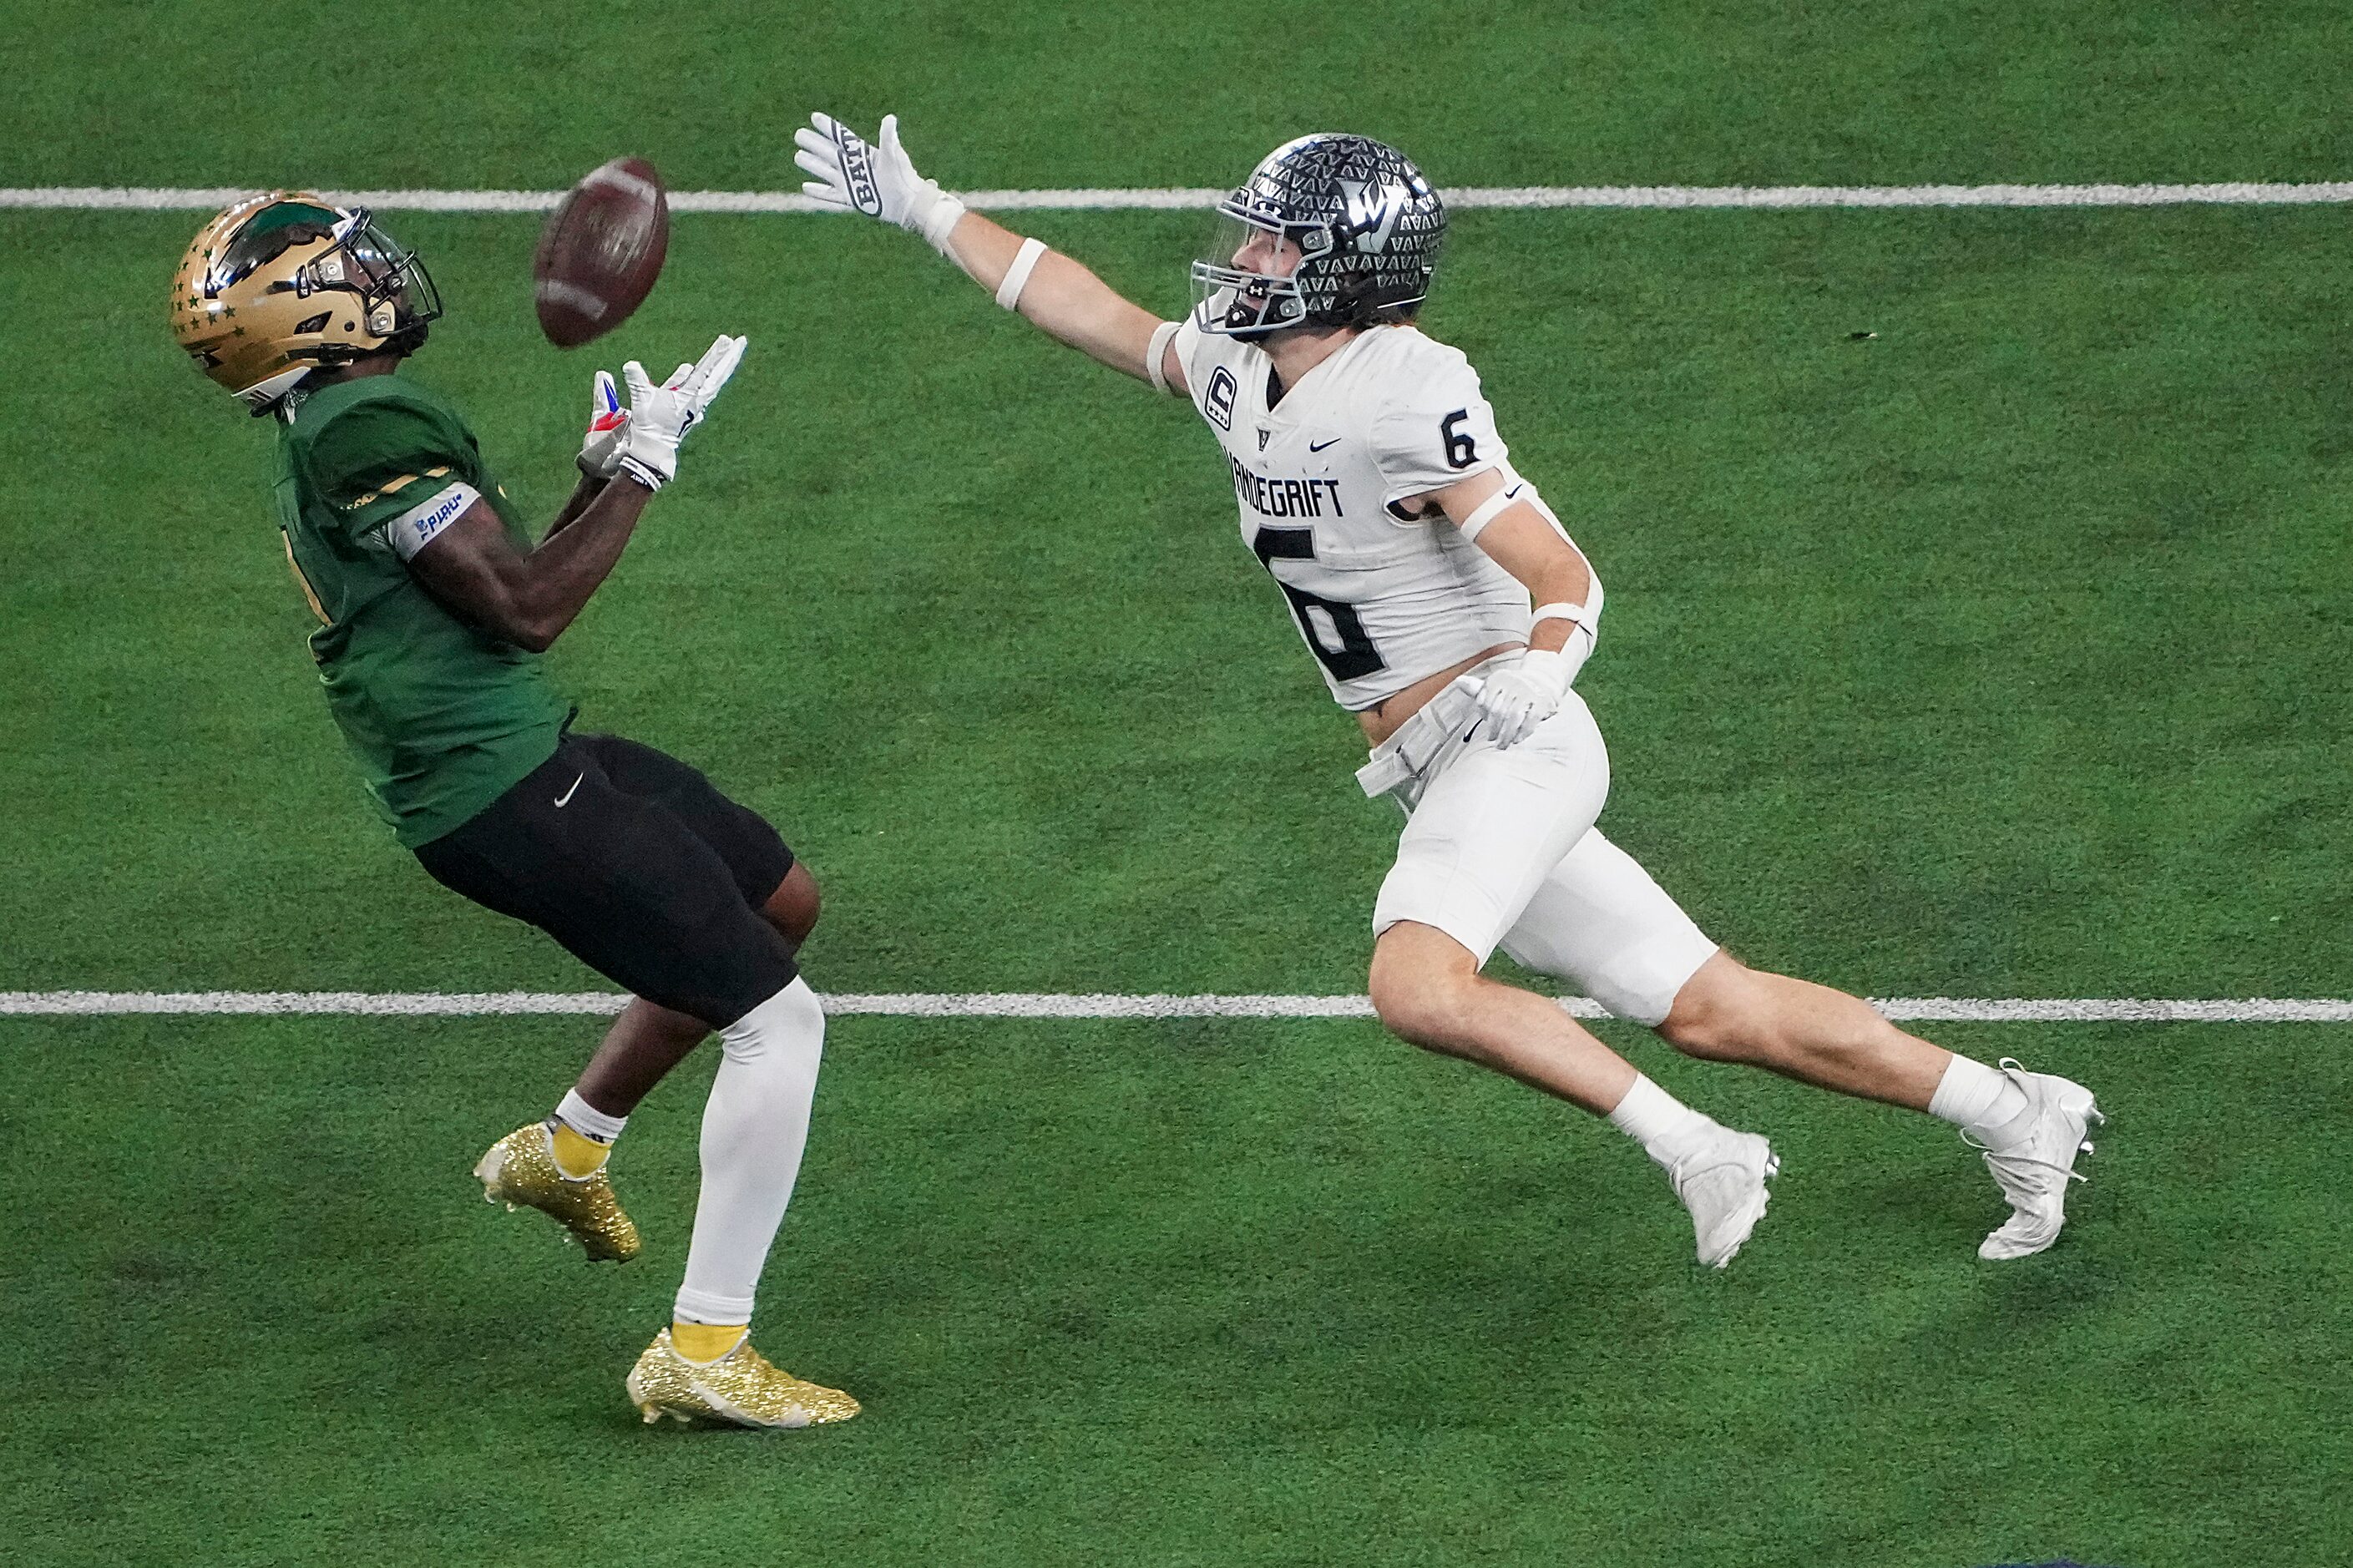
1260 334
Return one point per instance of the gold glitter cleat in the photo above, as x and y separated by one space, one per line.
521 1169
741 1388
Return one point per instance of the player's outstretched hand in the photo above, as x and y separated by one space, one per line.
600 449
659 418
856 175
1517 699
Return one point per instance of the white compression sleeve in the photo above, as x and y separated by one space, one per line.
753 1128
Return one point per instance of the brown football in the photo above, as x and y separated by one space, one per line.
600 252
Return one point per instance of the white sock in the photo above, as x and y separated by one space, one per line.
587 1121
1664 1126
1982 1100
753 1129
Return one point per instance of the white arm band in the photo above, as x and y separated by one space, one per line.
1156 358
421 524
1488 510
1584 622
1017 277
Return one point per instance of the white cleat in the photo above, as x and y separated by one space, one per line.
1723 1184
2034 1172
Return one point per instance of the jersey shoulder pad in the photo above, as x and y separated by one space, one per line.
376 453
1431 425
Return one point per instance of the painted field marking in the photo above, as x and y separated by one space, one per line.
1061 1004
2242 193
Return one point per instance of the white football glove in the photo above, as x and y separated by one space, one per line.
659 416
600 449
1515 700
880 181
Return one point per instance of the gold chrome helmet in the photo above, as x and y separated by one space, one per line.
282 283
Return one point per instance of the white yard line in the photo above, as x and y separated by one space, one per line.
152 198
1059 1005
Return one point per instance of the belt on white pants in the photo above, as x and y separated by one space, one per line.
1424 738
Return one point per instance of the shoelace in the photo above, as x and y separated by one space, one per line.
2015 1166
2012 1163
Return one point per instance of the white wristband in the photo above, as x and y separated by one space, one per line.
941 221
1017 277
1584 627
1156 358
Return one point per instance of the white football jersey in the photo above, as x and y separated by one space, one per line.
1382 598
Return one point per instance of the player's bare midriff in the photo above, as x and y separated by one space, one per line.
1382 718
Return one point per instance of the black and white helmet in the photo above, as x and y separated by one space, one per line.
1364 226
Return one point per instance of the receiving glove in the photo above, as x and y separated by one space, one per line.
1515 700
856 175
659 418
600 449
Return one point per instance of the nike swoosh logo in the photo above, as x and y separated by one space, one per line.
565 798
1474 727
1319 445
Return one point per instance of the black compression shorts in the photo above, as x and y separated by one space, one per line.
639 867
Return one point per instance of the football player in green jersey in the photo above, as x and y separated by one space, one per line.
434 606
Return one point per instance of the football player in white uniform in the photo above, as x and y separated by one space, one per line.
1450 612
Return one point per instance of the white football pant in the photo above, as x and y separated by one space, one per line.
1500 849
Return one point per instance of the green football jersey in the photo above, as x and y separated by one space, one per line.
443 719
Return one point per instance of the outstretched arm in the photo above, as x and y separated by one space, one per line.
1066 301
1061 296
457 548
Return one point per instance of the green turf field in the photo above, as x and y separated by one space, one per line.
2001 654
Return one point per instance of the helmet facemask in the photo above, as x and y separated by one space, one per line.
1247 283
396 293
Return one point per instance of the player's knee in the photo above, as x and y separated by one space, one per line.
1413 1011
1417 1004
786 1030
792 907
1716 1016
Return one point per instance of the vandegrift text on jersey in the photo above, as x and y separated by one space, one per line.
1284 498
